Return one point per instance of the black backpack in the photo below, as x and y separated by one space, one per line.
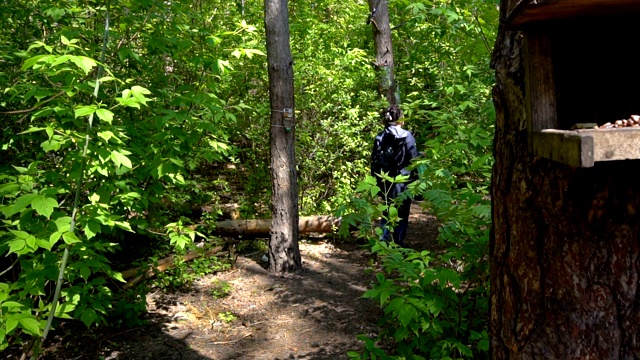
388 155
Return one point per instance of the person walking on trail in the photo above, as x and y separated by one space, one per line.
393 150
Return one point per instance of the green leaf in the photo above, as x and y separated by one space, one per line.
118 276
63 223
85 272
12 322
483 345
394 305
8 188
84 63
139 93
32 61
85 110
406 314
105 135
21 203
12 304
20 234
43 244
16 245
30 325
31 130
49 131
105 115
91 229
44 205
70 238
31 241
393 212
251 52
53 239
60 60
88 317
120 159
140 90
55 13
51 145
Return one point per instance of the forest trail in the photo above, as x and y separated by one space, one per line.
313 314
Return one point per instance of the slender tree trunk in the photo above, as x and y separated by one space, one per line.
284 254
564 247
379 20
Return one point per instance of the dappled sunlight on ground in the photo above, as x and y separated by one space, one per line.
312 314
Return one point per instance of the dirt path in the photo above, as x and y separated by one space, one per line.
314 314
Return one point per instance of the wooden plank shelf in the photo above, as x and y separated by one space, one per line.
528 12
585 147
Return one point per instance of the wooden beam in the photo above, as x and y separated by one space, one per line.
568 147
583 148
540 94
527 12
614 144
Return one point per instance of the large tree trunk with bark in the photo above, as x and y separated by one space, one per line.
564 246
284 254
379 20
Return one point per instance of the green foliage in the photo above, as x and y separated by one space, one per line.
227 316
143 145
435 306
221 289
181 122
183 274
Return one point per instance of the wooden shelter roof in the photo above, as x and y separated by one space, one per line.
526 12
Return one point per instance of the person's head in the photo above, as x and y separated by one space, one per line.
392 115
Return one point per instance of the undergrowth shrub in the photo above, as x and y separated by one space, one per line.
435 305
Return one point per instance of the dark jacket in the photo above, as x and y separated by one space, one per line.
403 147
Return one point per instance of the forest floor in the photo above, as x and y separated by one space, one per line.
313 314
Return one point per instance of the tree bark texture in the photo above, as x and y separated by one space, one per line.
284 253
564 246
379 19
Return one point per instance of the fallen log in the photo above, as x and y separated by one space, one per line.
306 224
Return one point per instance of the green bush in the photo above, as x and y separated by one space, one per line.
435 306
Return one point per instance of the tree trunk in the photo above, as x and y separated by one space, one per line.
564 246
284 254
379 19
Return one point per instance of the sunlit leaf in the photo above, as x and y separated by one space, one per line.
30 325
70 238
105 115
44 205
85 110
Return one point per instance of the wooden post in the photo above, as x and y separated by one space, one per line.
540 96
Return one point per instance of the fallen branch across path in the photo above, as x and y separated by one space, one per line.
306 224
164 264
231 228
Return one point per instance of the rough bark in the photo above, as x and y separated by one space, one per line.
284 253
564 246
384 65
